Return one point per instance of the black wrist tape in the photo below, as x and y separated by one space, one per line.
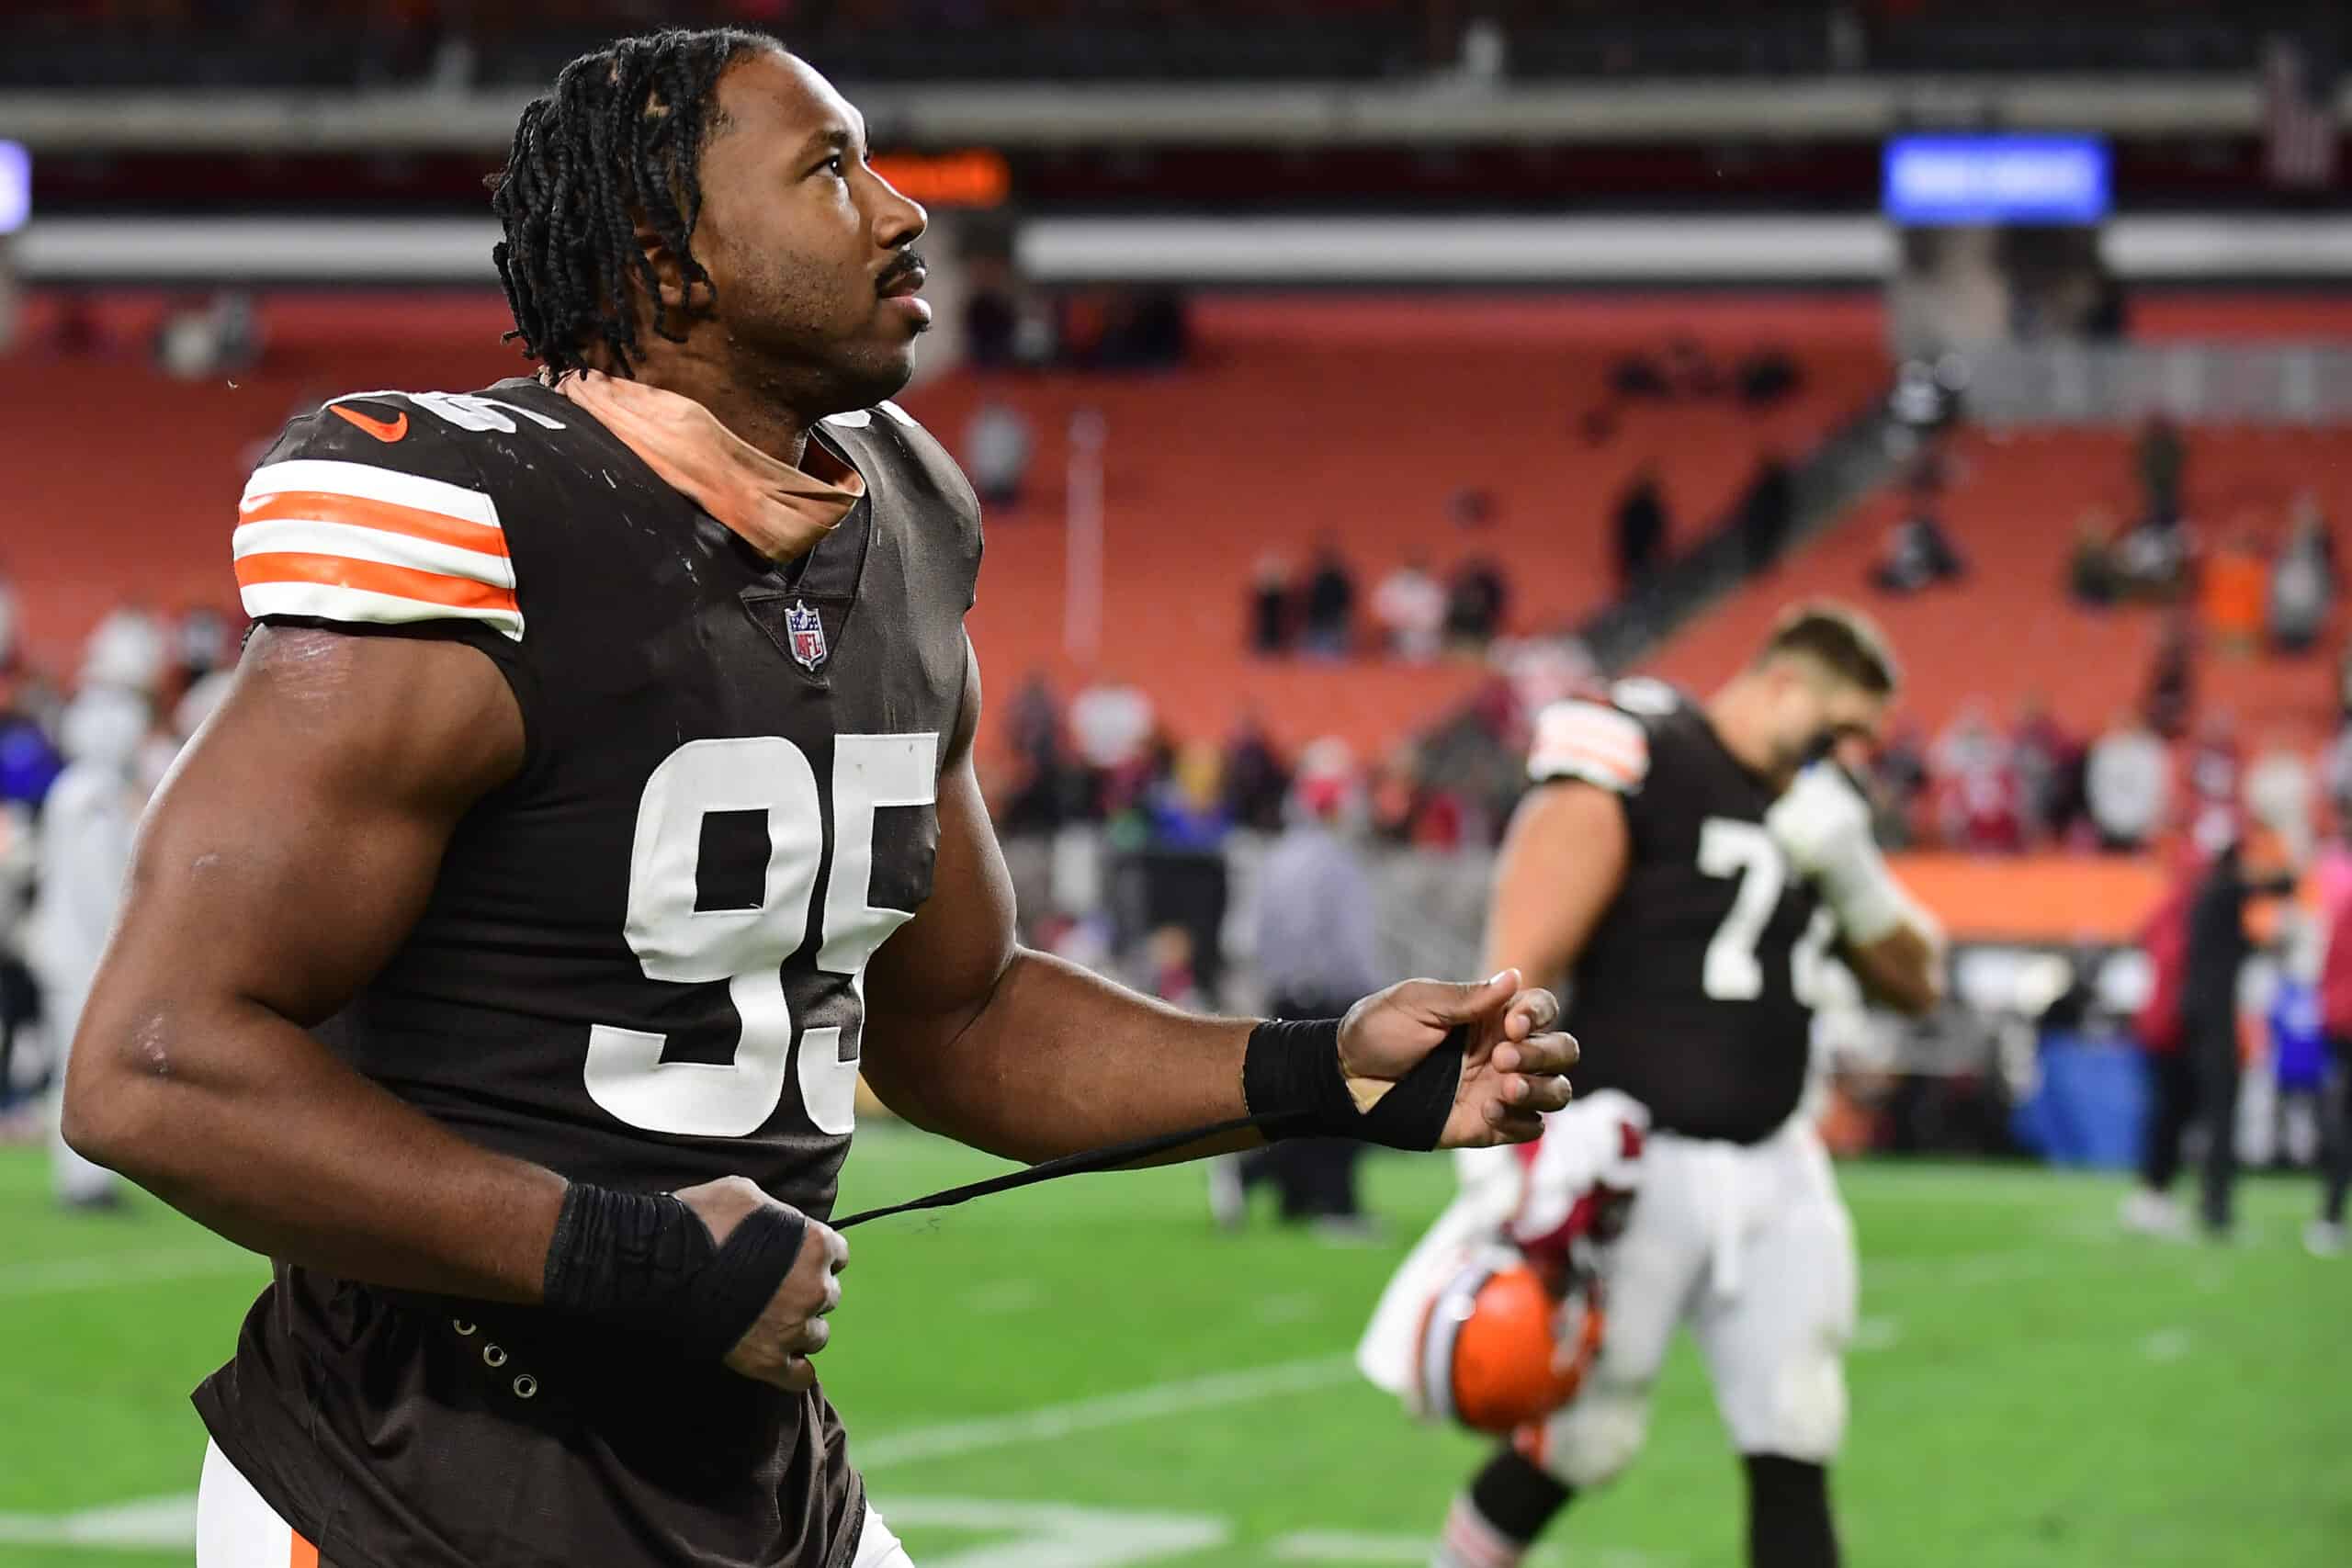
1293 1082
643 1261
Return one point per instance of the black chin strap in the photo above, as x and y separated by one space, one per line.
1081 1163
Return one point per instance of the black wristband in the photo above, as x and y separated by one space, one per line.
1293 1082
643 1261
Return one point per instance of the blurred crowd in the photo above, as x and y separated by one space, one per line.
77 762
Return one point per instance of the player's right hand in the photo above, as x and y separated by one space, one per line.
792 1326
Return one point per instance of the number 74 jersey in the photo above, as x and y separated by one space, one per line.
1694 994
642 961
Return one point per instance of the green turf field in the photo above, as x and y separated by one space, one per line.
1087 1376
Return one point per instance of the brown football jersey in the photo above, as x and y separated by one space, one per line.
640 964
1695 993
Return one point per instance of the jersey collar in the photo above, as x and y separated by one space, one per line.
780 511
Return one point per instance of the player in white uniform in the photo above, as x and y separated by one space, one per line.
1691 867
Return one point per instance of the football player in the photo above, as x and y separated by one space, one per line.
1691 867
593 802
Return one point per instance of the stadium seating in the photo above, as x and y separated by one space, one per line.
1355 419
1359 420
2009 631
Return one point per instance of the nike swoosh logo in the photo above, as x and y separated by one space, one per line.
383 429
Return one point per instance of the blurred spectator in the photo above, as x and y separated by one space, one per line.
2219 946
1920 554
2232 588
1045 788
2149 560
219 337
29 760
1642 529
2172 679
2161 458
1172 977
2162 1034
2214 761
128 649
2127 784
2302 582
2050 769
84 852
1330 607
1270 606
1900 775
2325 1235
1473 604
1981 798
203 643
1110 725
1255 781
2091 575
1767 509
1313 930
996 447
1188 806
2278 791
1409 607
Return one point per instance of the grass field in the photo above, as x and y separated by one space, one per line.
1087 1376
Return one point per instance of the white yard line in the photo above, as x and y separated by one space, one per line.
60 1274
1357 1547
1351 1546
163 1523
1049 1422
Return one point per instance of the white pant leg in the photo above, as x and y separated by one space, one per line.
234 1529
1775 1341
1648 1276
877 1548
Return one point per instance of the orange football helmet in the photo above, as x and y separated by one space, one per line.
1499 1349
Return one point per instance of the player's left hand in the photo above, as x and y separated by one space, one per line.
1820 820
1512 1071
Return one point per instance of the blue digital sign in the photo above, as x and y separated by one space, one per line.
15 186
1996 179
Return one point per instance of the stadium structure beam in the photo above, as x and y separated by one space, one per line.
1293 252
1436 113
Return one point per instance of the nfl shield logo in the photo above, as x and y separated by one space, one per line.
806 633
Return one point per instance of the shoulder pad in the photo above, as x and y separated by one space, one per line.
1597 744
355 518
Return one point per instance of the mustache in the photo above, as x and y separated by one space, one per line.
906 266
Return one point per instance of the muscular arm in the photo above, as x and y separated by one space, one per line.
1562 864
1017 1052
286 858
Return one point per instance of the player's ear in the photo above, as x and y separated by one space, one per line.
675 295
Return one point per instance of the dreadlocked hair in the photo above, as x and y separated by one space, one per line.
615 143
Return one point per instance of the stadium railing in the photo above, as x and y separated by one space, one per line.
2073 384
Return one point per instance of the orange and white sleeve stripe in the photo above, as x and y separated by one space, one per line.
1585 741
352 542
